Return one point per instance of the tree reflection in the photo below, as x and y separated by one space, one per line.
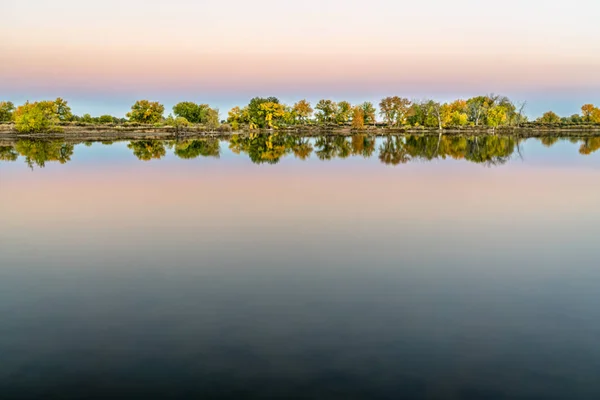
590 145
146 150
188 149
38 152
302 148
262 148
489 150
363 145
393 151
271 148
549 141
8 153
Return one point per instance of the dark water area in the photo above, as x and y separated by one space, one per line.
404 267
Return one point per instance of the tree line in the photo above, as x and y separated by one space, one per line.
489 111
271 148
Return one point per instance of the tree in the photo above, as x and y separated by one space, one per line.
107 119
394 110
302 110
177 122
435 113
358 118
37 117
590 113
194 113
549 118
212 118
326 110
237 116
368 112
343 113
6 111
478 108
271 112
457 113
496 116
146 112
256 115
586 112
63 111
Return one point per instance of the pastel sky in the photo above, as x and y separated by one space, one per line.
102 56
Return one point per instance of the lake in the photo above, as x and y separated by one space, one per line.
286 267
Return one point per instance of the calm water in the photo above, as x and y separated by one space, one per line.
301 268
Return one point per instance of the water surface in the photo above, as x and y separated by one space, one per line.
279 267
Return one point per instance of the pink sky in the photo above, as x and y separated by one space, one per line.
103 55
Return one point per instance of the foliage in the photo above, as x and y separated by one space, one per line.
590 113
256 115
343 113
358 118
6 111
369 112
63 111
146 112
326 111
302 110
35 117
270 113
394 110
194 113
189 149
146 150
549 118
38 152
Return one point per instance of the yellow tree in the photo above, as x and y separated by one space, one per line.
271 112
358 118
587 112
303 110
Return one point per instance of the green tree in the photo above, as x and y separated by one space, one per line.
256 114
63 111
6 111
326 111
343 112
39 116
549 118
194 113
106 119
146 112
369 112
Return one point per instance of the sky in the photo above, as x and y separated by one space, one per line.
102 56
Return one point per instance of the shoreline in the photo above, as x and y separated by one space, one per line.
150 132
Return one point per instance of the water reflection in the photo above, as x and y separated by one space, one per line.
489 150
